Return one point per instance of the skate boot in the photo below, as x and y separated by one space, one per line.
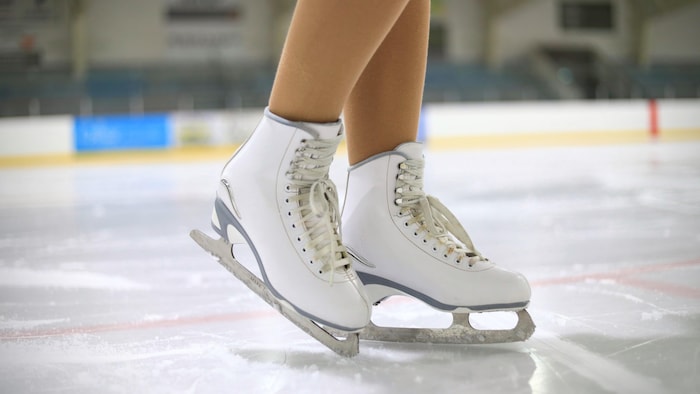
404 242
275 196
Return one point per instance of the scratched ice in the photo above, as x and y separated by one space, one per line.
101 290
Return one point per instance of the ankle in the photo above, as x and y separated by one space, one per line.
306 114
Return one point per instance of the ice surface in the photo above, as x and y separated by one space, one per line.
101 289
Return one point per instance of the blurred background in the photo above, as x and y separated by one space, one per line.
187 58
563 134
134 56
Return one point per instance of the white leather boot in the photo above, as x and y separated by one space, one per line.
405 242
275 195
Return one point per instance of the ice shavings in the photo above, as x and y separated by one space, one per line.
653 315
21 277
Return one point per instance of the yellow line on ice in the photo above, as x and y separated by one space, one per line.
530 140
189 154
435 143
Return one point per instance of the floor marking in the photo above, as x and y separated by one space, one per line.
164 323
620 275
434 143
623 275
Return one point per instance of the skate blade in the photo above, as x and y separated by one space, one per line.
460 332
221 249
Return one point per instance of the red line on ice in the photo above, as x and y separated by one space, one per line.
179 321
622 276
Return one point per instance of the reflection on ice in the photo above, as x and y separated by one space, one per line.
101 289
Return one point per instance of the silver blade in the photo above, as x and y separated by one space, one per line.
221 249
460 332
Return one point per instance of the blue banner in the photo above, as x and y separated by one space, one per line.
118 132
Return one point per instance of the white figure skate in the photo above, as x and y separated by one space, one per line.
404 242
275 196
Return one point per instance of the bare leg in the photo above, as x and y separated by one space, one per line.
328 45
384 106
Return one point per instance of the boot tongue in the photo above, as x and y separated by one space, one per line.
325 131
412 150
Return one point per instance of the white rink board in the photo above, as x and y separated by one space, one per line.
542 117
55 135
679 114
46 135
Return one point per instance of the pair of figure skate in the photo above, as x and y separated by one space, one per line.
275 195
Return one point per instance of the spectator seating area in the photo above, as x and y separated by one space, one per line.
162 89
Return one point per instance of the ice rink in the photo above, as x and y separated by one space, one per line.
102 290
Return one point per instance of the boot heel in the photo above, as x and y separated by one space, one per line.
234 236
378 293
226 230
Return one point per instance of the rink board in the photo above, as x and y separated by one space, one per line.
189 135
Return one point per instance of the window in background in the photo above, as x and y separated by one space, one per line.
587 15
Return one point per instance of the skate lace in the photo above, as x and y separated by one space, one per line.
317 200
431 215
